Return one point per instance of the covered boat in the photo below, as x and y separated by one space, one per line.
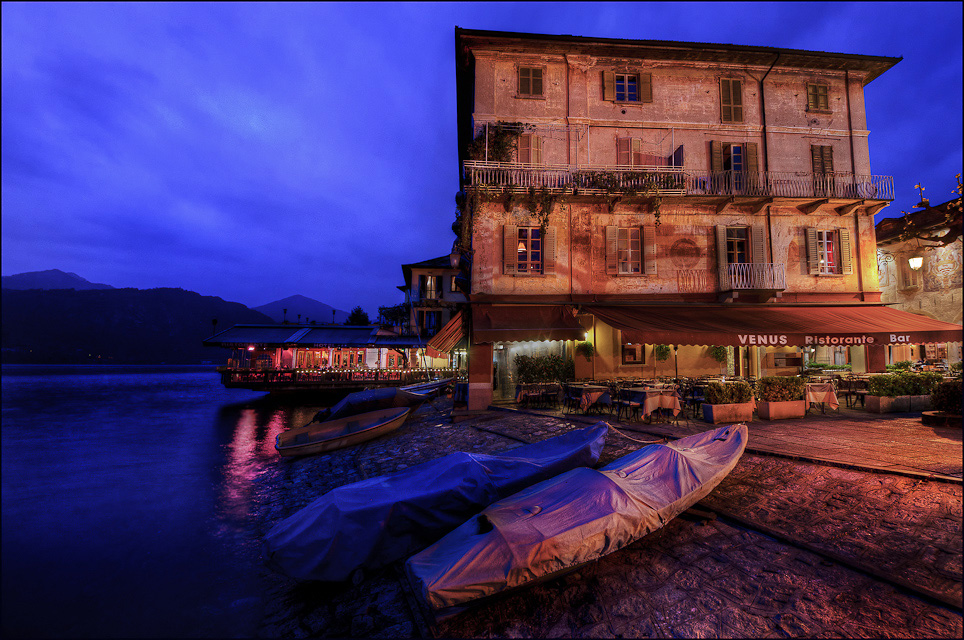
575 518
341 432
431 388
373 522
372 400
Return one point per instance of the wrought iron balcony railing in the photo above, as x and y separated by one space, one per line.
759 276
667 181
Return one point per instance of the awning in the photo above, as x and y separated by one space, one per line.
773 326
450 335
515 323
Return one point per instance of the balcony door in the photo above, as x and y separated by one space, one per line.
735 167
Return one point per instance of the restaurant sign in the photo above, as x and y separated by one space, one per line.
782 339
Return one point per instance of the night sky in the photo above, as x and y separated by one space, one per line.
256 151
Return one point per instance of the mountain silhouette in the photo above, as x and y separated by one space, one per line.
49 279
310 310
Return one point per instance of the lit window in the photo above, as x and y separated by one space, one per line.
828 252
736 245
529 258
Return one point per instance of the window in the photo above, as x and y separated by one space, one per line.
731 100
909 278
734 156
630 251
821 159
530 81
530 149
629 152
736 245
529 250
829 251
453 284
818 98
391 361
526 252
429 287
633 354
627 87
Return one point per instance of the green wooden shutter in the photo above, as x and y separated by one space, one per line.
736 93
726 101
637 152
510 246
549 252
612 268
716 156
646 87
647 236
609 85
752 167
757 244
813 261
846 252
721 259
624 151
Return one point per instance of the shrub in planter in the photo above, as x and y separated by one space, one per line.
728 402
586 349
903 391
946 397
550 368
780 397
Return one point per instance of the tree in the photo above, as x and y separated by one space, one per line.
952 220
394 316
357 317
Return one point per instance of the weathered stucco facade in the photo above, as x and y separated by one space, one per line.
934 290
671 173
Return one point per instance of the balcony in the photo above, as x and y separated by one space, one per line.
675 181
763 279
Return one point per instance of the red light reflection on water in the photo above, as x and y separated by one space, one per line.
249 454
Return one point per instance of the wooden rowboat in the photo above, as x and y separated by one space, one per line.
342 432
565 522
429 388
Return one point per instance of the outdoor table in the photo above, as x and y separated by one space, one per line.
590 395
651 399
821 392
537 390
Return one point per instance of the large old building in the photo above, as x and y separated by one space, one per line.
632 193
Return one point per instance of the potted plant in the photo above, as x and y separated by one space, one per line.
946 401
586 349
731 402
661 353
719 354
899 392
780 397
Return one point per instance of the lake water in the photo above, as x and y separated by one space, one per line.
129 494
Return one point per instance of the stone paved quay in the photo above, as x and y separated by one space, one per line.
823 530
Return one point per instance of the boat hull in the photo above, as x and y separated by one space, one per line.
337 434
373 522
570 520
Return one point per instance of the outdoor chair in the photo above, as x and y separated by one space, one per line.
627 405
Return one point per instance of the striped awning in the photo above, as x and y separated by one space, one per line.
450 335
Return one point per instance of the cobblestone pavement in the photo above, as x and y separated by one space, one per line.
692 578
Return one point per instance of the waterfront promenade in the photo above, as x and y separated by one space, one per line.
835 525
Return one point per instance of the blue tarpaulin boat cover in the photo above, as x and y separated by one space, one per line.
374 522
372 400
571 519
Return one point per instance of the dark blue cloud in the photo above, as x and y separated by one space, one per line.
258 150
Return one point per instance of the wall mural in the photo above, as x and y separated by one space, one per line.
942 268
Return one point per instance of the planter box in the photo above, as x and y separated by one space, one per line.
920 403
941 419
781 410
884 404
732 413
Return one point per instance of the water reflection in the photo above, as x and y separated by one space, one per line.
254 427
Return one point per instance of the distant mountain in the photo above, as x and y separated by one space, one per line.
116 326
49 279
310 310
